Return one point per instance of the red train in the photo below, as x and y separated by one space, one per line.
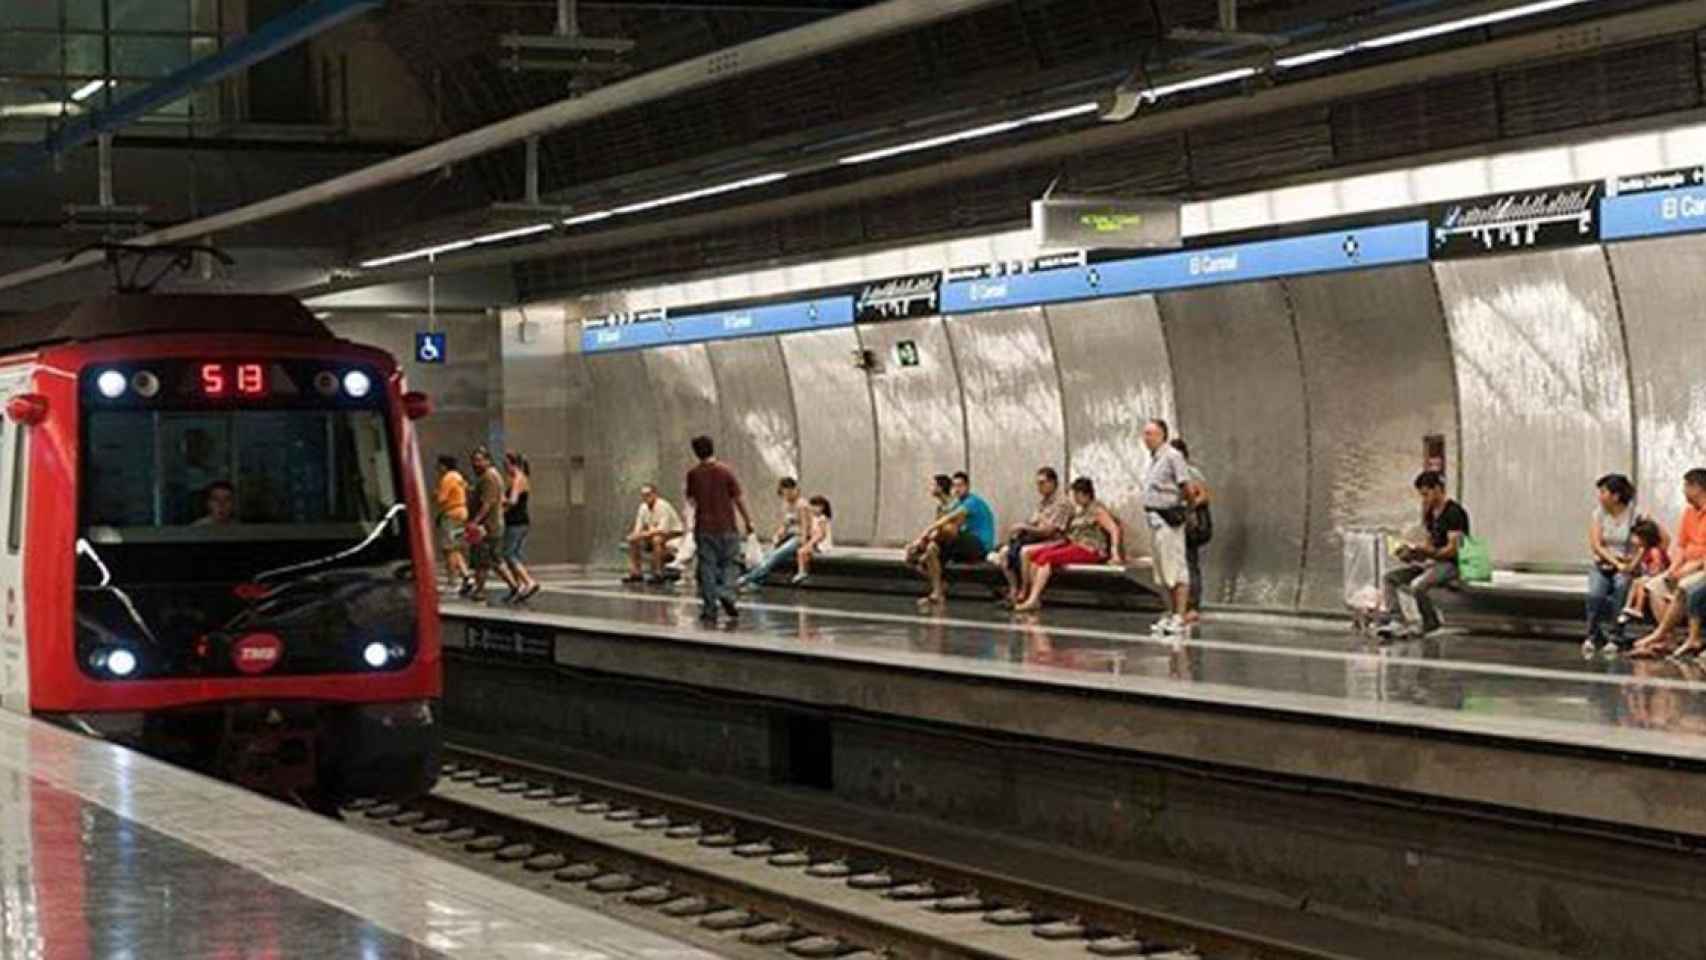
216 546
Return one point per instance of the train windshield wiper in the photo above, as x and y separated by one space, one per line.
372 535
86 549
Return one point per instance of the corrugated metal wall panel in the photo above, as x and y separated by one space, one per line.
1631 81
1291 142
1416 120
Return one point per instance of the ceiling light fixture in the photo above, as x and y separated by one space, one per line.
574 221
1196 83
454 245
975 133
1469 23
1427 31
700 193
91 88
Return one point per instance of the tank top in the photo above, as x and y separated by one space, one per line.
1085 531
515 515
1616 531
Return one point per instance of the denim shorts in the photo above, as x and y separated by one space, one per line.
514 537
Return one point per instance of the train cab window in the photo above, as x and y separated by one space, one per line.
170 476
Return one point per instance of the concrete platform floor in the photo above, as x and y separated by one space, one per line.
1454 682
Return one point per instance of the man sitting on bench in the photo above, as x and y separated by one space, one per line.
963 532
656 528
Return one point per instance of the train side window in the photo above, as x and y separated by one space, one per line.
15 520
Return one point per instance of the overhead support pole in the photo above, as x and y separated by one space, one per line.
276 35
801 43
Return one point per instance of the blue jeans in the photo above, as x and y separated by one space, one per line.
716 553
1606 595
783 553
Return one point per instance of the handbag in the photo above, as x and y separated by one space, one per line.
1474 560
1199 525
1173 516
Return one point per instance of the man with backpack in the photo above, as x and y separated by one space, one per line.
1199 529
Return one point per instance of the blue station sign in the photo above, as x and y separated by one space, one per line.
1315 253
661 327
1653 213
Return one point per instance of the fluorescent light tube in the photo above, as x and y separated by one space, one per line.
503 235
1197 83
1313 56
593 217
700 194
1468 23
89 89
975 133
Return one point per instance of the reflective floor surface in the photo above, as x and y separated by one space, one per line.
1529 689
108 854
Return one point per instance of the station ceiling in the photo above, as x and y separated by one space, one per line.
1016 55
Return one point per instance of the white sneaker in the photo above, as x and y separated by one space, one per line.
1160 626
1172 627
798 579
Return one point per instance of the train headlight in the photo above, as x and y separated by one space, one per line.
356 384
145 383
121 663
111 383
376 654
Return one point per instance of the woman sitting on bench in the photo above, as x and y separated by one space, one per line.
1092 537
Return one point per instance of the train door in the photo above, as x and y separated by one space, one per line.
14 649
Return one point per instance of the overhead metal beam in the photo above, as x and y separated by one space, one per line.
814 39
276 35
1672 19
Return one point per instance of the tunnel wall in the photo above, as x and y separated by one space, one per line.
1306 400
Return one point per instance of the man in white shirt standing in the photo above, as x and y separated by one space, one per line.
657 525
1167 494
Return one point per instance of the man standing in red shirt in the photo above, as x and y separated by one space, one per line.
715 493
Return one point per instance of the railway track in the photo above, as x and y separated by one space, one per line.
765 885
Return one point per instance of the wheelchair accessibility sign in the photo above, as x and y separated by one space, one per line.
429 348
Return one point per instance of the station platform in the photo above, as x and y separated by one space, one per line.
110 854
1488 721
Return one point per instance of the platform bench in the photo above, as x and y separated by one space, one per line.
884 570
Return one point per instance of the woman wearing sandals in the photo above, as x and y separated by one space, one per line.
516 521
1092 537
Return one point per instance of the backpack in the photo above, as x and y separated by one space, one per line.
1199 525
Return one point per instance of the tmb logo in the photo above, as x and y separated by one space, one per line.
257 652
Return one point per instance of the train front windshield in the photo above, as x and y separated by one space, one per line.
198 476
220 501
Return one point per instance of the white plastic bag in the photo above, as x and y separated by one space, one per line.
1365 565
751 552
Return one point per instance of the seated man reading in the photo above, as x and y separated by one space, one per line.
963 532
1430 564
657 526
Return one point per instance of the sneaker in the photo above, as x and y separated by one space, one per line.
1590 647
708 618
466 588
634 578
729 607
799 578
653 580
671 574
1170 626
528 593
1387 628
